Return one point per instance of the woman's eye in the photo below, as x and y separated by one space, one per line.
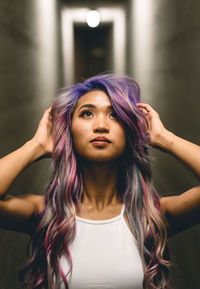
86 113
113 115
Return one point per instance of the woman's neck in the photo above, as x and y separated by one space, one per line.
100 184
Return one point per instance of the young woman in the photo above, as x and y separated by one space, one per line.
101 223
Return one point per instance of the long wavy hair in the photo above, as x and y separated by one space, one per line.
56 227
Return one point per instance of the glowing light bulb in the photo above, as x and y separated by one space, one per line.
93 18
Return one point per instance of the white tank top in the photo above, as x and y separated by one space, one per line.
104 256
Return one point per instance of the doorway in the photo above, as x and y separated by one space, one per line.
93 50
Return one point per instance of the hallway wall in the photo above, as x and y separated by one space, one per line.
29 77
166 63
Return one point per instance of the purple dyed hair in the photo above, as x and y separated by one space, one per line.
56 225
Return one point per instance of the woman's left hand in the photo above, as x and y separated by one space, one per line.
156 129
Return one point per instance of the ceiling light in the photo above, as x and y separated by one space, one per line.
93 18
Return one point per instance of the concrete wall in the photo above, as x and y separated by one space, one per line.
166 63
29 77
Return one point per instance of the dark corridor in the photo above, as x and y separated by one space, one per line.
93 50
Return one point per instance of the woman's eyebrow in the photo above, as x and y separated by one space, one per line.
89 105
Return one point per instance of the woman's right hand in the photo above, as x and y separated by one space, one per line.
43 135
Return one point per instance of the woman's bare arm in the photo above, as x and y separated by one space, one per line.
182 210
17 212
14 163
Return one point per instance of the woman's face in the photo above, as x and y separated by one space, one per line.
97 134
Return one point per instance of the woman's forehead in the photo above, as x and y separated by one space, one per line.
95 97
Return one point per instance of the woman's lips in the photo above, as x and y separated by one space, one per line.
100 141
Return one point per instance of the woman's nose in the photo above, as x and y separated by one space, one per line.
101 125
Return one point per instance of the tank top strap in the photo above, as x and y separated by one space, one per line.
122 210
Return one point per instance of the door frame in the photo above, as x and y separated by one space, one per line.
72 16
